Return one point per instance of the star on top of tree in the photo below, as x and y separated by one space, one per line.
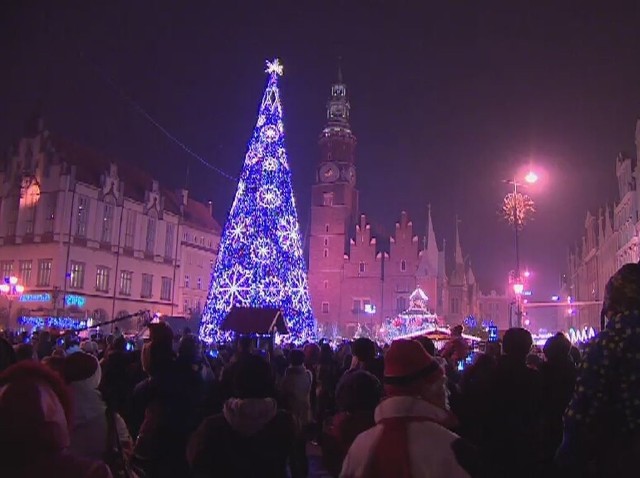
274 67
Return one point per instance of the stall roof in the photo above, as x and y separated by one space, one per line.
254 320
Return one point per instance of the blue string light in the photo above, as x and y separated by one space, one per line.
66 323
260 261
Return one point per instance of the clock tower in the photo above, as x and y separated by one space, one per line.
334 206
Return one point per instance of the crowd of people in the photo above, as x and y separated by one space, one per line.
171 408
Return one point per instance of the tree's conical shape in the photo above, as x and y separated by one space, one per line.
260 261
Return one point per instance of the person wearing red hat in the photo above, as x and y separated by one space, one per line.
410 439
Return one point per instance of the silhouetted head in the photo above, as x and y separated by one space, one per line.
517 343
622 292
457 331
428 345
557 347
296 357
252 378
364 350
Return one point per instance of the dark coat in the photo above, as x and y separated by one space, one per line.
220 447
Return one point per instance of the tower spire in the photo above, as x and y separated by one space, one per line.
338 107
458 252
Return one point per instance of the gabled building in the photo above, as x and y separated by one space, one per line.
610 240
92 237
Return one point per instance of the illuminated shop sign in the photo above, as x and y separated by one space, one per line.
56 322
70 299
41 297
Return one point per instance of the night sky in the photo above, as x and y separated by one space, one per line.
447 100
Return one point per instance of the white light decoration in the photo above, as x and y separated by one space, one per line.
270 164
270 133
274 68
271 290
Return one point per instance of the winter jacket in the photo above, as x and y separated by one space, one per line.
251 438
340 434
89 424
430 444
295 389
35 437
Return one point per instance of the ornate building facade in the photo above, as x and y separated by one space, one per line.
353 279
610 240
92 237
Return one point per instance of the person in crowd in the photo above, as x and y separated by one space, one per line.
90 419
513 417
116 386
168 406
24 351
534 361
45 345
56 364
326 381
89 347
245 348
251 437
602 421
295 392
456 349
410 438
7 354
35 413
356 403
475 398
558 375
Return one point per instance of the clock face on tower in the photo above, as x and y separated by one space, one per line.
329 173
349 174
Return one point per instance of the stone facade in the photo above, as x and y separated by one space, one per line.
354 278
76 224
610 241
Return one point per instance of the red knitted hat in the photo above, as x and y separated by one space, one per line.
407 366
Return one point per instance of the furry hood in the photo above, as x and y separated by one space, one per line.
249 416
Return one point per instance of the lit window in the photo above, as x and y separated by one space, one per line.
25 272
327 199
50 213
107 223
33 195
165 289
151 236
168 242
44 272
76 281
325 307
83 216
7 269
126 281
147 286
130 230
102 279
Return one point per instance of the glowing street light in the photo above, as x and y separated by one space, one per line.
516 209
531 177
518 288
12 290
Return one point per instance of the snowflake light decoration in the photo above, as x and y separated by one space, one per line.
270 164
235 287
262 250
274 67
269 197
288 233
270 133
271 290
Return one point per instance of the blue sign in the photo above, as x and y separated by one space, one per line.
72 299
57 322
41 297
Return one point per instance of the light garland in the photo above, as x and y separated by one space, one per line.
260 261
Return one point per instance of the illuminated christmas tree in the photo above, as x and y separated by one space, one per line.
260 261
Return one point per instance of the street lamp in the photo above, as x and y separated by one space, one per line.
516 209
12 290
